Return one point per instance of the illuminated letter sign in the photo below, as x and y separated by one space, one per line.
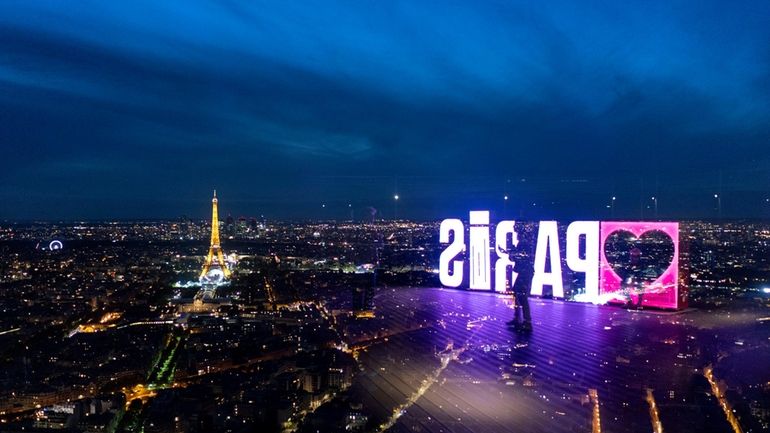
548 243
480 278
505 277
640 264
450 270
622 262
589 264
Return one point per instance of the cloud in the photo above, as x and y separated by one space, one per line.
284 95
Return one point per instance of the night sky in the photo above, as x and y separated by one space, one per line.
138 109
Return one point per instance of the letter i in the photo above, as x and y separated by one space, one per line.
480 278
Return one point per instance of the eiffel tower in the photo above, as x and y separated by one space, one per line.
215 258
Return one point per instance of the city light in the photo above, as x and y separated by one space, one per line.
657 426
716 389
596 420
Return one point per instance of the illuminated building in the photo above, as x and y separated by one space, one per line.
230 225
242 226
215 268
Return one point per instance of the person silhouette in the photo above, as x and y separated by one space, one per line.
522 257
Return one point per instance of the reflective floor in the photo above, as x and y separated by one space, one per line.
444 361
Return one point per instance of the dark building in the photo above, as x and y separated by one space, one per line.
363 293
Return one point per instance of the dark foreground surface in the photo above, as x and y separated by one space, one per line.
445 361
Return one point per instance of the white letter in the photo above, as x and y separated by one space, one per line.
589 265
505 277
479 248
547 239
455 278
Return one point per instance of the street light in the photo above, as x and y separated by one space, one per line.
719 205
505 205
612 206
655 201
395 206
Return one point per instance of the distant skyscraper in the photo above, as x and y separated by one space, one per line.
242 226
230 225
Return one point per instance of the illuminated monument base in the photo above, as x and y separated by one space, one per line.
202 303
213 277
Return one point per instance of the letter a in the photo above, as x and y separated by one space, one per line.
547 243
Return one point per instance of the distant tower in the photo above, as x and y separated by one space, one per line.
215 259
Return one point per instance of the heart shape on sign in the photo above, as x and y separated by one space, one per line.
639 260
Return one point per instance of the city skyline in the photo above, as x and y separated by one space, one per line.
531 205
346 324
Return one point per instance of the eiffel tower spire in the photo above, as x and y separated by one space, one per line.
215 258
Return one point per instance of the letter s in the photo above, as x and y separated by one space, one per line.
446 260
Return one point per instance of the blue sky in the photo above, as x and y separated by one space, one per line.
138 109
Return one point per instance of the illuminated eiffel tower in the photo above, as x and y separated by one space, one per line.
216 258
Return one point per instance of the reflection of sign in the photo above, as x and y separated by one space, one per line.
614 261
55 245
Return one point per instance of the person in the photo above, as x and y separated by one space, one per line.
522 319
